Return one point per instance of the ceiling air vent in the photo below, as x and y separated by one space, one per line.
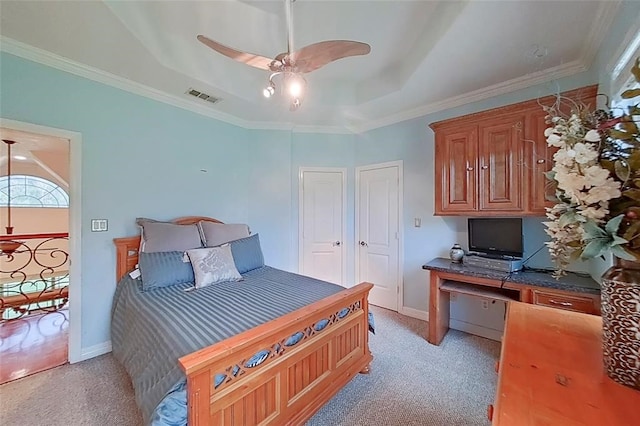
198 94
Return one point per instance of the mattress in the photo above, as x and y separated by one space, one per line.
151 330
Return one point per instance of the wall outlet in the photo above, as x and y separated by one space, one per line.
485 304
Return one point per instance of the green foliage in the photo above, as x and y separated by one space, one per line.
601 241
620 154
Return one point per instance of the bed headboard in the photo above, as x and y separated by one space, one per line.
127 247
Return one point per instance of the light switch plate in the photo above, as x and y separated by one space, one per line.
99 225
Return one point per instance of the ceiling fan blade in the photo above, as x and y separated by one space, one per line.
244 57
317 55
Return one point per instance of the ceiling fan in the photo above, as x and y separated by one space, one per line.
290 66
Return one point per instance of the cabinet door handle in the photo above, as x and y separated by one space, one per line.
540 161
337 243
485 167
470 168
555 302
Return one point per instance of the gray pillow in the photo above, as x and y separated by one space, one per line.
163 269
215 234
213 265
165 236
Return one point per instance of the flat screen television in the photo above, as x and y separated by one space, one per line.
496 236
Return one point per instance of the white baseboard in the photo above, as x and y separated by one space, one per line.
478 330
414 313
95 350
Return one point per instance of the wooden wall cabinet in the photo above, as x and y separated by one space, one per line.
457 165
492 163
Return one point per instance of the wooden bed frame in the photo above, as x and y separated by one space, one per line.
291 381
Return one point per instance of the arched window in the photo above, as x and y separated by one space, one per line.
32 191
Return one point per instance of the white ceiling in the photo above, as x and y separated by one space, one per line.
425 55
48 153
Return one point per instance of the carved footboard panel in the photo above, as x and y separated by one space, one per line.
283 371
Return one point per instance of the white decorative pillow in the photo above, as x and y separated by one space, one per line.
213 265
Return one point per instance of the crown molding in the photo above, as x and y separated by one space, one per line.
53 60
61 63
323 129
539 77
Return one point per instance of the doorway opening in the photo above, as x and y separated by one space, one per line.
34 252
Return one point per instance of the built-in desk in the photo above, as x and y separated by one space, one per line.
573 292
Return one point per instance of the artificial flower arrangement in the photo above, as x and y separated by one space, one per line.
596 172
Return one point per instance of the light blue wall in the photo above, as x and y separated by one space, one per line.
270 213
139 158
144 158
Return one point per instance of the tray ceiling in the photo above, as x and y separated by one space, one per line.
424 56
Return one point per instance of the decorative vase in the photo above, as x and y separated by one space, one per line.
621 322
456 253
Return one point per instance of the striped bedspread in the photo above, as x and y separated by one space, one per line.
151 330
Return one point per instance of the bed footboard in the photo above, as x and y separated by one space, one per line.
283 371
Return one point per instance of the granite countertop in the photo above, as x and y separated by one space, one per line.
572 282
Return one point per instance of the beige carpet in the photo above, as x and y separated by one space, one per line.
411 383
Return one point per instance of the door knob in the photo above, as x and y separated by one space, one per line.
363 244
337 243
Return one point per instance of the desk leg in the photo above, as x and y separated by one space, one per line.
438 310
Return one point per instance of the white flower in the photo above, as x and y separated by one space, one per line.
571 183
555 140
563 158
548 131
596 175
584 153
605 192
595 213
592 136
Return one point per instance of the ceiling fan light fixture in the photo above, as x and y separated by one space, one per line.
291 66
295 104
296 85
269 91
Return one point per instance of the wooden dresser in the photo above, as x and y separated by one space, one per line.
551 372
